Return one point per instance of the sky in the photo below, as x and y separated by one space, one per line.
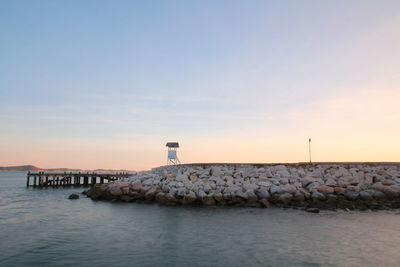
105 84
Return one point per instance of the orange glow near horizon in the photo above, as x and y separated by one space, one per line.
344 129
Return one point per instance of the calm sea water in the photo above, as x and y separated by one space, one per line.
41 227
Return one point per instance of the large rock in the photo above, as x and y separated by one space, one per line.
98 191
208 200
134 195
181 192
148 182
274 189
312 210
181 178
298 196
282 171
251 196
341 172
217 180
351 195
207 188
317 196
216 171
189 198
367 195
288 188
170 199
200 193
160 198
249 186
73 196
307 180
345 181
285 198
324 189
331 182
264 203
339 190
150 194
263 194
392 191
305 192
232 189
282 189
218 197
378 195
241 194
165 188
115 190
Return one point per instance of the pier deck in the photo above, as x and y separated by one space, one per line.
49 179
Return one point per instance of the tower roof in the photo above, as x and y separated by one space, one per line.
172 144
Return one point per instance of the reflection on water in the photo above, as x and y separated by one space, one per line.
41 227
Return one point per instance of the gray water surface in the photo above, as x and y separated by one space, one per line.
42 227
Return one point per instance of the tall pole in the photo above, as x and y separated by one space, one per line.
309 148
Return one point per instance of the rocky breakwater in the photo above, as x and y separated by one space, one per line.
329 186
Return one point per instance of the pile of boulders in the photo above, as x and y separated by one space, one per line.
357 186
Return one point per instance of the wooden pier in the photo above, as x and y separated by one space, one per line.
50 179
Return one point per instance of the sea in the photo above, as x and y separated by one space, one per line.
42 227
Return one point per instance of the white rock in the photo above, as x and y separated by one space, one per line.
344 181
249 186
330 182
201 193
260 170
172 191
148 182
298 185
233 189
287 188
312 186
262 193
307 180
181 178
182 191
216 171
165 188
274 189
341 172
212 185
264 183
207 188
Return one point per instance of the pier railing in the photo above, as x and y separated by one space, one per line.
45 179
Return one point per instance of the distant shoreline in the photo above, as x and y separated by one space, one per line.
26 168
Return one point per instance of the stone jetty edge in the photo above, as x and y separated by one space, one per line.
324 186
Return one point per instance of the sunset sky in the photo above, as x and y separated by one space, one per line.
105 84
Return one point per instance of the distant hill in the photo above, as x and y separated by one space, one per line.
25 168
20 168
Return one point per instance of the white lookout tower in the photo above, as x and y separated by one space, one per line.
172 157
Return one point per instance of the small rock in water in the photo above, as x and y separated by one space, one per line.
313 210
73 196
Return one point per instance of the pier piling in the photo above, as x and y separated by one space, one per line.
42 179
